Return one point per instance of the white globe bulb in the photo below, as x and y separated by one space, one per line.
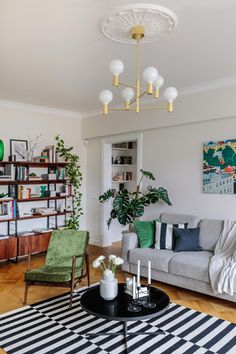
170 94
105 96
150 74
116 66
127 94
159 82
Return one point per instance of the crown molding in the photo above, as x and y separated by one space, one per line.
39 109
190 90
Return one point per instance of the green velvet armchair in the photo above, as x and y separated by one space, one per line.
66 263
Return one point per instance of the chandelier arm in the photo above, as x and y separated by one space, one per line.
153 107
142 94
121 109
128 85
133 86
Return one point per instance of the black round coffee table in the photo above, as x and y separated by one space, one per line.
117 309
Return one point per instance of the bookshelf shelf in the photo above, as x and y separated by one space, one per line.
22 244
38 199
33 164
42 216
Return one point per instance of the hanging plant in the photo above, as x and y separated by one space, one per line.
128 207
73 172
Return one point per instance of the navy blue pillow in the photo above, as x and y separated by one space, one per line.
186 239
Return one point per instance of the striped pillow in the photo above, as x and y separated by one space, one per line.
164 235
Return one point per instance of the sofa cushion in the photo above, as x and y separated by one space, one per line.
145 232
180 219
186 239
210 230
159 258
192 265
164 235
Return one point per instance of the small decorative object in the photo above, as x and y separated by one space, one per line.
43 190
33 145
132 306
219 167
138 301
19 148
108 283
148 304
12 158
1 150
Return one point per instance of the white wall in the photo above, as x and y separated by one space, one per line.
172 150
22 122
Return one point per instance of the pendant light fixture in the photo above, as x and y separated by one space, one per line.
137 24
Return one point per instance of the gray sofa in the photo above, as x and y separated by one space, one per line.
188 270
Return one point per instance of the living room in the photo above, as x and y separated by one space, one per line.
50 86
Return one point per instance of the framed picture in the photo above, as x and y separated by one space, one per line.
19 149
219 167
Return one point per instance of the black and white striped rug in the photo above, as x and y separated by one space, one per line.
50 327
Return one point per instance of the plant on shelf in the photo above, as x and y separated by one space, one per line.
128 207
73 172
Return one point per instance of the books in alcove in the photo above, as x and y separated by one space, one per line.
7 209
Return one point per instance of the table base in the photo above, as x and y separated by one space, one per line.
125 333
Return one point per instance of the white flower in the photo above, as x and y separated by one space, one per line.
96 263
112 257
118 261
101 258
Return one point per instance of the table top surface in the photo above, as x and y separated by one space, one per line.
117 309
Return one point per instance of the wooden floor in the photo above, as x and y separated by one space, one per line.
12 288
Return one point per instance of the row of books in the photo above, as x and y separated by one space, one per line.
8 209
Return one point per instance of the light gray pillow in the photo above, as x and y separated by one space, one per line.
210 230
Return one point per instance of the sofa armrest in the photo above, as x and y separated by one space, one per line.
129 242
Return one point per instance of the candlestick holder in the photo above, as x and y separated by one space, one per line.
148 304
133 307
138 301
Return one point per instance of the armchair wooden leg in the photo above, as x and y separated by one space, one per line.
71 294
87 269
26 292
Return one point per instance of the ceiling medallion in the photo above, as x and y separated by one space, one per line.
136 24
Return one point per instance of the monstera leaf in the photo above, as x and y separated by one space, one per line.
106 196
147 174
155 195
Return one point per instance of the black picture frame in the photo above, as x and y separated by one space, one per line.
19 149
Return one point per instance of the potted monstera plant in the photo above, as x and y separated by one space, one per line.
128 207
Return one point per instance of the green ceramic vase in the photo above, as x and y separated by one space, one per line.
1 150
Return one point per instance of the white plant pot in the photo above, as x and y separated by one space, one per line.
108 287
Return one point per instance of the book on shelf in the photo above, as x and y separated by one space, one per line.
22 173
24 193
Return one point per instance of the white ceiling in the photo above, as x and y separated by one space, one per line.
54 54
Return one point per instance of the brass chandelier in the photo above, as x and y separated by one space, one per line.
133 93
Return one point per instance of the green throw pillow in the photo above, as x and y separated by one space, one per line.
145 232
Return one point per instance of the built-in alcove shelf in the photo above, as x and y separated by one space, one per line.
124 164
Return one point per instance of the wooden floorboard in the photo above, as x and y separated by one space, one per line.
12 287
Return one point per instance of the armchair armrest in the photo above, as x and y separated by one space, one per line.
129 242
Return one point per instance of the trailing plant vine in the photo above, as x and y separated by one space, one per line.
73 172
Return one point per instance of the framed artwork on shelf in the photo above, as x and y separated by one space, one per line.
19 149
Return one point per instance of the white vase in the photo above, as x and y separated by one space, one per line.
108 286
